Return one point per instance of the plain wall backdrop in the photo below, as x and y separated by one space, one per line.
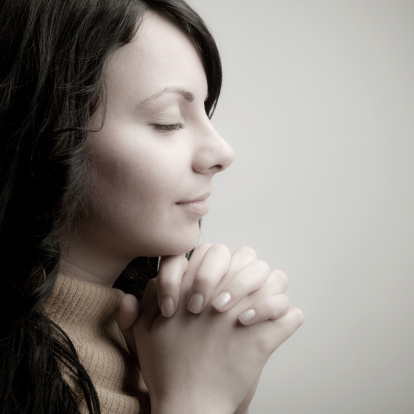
318 102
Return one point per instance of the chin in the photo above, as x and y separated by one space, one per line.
174 244
179 248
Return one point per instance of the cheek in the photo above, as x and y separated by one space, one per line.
138 180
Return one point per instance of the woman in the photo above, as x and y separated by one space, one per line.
107 156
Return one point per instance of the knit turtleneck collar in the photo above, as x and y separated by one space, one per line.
78 302
86 312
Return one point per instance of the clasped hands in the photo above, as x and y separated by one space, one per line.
206 327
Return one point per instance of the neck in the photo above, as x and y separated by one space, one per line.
86 262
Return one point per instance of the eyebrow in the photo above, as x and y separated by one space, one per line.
188 96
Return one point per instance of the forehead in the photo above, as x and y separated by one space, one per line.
159 56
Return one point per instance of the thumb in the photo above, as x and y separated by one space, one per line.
149 309
128 314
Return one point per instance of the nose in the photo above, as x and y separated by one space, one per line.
213 154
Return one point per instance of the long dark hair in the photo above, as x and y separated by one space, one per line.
53 56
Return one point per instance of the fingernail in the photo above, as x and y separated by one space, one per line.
167 307
247 316
196 303
221 301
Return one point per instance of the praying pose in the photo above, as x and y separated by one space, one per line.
107 154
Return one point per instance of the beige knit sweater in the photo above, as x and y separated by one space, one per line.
86 312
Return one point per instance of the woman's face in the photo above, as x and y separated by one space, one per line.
157 152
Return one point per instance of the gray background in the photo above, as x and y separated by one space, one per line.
318 102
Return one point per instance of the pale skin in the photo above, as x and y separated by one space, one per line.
213 360
205 327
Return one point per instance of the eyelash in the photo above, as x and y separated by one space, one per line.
170 127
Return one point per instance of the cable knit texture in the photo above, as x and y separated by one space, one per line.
86 312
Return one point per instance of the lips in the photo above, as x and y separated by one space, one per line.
198 199
197 206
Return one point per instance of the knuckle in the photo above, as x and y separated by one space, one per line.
202 281
171 273
283 304
182 261
202 277
221 249
273 280
248 251
172 264
201 286
282 278
263 267
265 343
275 306
167 285
269 308
298 316
202 248
282 299
282 275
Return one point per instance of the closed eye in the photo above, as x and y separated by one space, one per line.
168 127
